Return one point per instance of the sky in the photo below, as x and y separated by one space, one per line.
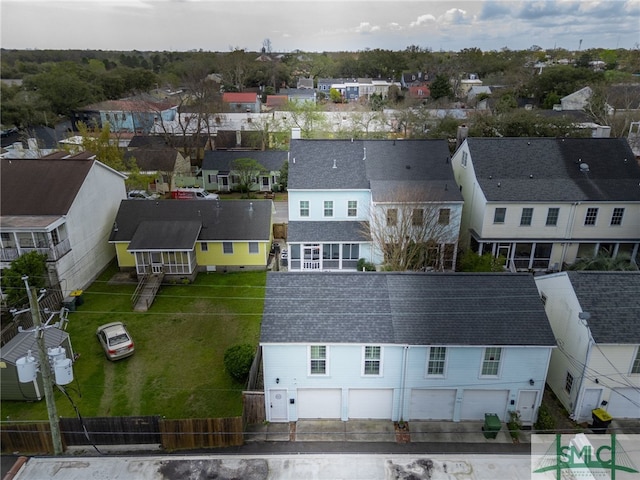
317 26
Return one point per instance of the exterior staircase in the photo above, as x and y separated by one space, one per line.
146 291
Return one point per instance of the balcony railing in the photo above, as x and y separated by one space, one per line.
53 254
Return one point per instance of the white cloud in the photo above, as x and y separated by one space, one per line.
394 26
423 19
366 27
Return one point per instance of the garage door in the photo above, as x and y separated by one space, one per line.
475 403
319 403
624 403
372 403
432 404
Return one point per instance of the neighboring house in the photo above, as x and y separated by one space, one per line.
477 90
594 316
546 202
305 83
417 84
135 115
63 208
179 238
465 85
341 192
276 101
192 146
237 102
218 173
299 95
164 164
577 100
403 346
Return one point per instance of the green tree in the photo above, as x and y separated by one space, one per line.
335 95
34 266
284 176
440 87
247 171
472 262
605 262
98 140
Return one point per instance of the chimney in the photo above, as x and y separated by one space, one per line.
238 138
463 133
295 133
33 143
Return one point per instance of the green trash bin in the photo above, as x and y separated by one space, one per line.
491 425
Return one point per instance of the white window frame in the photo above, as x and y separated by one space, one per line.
311 359
373 359
352 208
526 217
227 246
436 361
327 210
204 246
487 353
495 215
444 216
552 220
635 363
304 208
254 248
616 216
568 382
591 217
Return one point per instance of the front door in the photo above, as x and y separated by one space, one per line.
527 405
590 401
504 250
311 257
278 406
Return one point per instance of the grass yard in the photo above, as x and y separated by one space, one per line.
177 370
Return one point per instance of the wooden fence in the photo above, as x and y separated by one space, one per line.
253 411
280 230
201 433
26 437
110 430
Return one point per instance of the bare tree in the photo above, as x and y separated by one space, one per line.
413 228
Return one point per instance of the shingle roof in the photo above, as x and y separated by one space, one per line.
239 97
161 141
227 220
404 308
613 301
165 235
152 160
337 231
222 160
41 187
548 169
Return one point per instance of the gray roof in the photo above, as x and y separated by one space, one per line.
152 160
386 167
404 308
548 169
157 224
613 301
222 160
20 345
339 231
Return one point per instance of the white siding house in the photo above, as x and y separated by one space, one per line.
349 345
594 316
544 202
63 208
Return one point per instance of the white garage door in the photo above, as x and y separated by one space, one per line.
624 403
432 404
319 403
475 403
376 403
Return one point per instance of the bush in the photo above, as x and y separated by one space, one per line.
366 266
545 422
238 360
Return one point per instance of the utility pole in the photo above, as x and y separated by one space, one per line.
45 369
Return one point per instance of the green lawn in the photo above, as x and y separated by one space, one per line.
177 370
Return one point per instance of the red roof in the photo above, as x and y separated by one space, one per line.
239 97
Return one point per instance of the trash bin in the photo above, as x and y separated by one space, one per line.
69 303
77 294
601 420
491 425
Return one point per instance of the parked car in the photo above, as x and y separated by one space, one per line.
115 340
142 195
193 193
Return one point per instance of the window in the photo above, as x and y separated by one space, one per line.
491 362
304 208
352 208
444 216
527 215
372 359
616 218
552 217
417 218
328 208
227 247
392 217
437 357
568 383
464 159
635 366
318 360
351 251
253 247
499 215
204 246
331 251
590 217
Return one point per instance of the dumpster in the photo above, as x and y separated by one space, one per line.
77 294
601 420
69 303
491 425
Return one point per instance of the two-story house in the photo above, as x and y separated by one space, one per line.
594 317
63 208
348 199
403 346
219 175
163 165
239 102
546 202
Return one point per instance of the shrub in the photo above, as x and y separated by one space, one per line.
238 360
545 421
366 266
514 424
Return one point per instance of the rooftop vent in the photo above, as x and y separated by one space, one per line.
584 167
334 163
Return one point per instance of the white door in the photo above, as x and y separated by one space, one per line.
590 401
527 405
432 404
319 403
624 403
475 403
371 403
278 406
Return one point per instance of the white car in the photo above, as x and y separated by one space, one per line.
115 340
142 195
